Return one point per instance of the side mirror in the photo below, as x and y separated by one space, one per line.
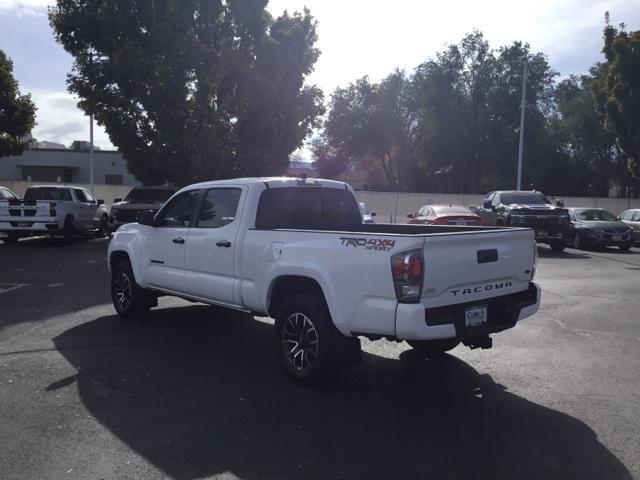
100 201
373 214
559 203
411 215
486 204
117 200
147 218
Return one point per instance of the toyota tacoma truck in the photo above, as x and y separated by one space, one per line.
297 250
530 209
55 210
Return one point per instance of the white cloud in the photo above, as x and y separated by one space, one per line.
60 120
25 8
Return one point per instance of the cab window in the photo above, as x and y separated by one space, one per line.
178 212
219 207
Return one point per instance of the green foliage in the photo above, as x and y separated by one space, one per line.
192 90
450 126
17 112
621 94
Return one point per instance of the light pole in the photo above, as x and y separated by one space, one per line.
91 152
523 104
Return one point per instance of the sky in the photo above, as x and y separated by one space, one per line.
356 38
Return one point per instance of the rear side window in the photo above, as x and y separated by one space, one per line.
46 193
307 207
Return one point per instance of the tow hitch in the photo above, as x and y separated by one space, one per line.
484 341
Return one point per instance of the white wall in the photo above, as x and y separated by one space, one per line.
390 205
387 205
103 192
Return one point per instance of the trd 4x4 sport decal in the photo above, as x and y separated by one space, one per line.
368 243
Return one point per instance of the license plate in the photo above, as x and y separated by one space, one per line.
542 234
24 224
476 315
617 237
461 223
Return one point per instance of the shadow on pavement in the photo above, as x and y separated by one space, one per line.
196 391
57 278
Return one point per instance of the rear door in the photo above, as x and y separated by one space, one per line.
210 256
165 243
472 266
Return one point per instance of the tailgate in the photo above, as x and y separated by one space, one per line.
470 266
16 211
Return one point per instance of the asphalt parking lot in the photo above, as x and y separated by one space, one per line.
195 391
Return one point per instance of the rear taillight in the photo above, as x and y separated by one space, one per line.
52 209
408 273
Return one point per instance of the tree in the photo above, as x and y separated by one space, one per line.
191 90
622 90
369 126
17 112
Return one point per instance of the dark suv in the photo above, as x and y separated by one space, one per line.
528 209
139 199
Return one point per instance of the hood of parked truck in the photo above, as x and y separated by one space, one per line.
618 226
124 205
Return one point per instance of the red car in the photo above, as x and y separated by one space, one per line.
445 215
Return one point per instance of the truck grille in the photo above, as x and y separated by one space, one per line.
126 216
537 220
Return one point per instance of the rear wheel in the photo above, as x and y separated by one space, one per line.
68 231
103 231
558 247
129 299
433 348
306 338
624 248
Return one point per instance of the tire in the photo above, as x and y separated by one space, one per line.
624 248
129 299
306 339
433 348
577 241
68 231
11 239
558 247
103 230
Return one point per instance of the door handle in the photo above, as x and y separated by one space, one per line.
223 243
178 240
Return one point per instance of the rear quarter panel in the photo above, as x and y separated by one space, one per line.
353 270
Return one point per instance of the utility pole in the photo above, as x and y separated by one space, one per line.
91 152
523 105
91 180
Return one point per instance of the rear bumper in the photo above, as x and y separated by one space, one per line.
28 227
414 322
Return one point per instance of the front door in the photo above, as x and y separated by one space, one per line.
210 258
166 242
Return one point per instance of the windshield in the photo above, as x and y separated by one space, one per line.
47 193
525 198
452 211
148 195
595 215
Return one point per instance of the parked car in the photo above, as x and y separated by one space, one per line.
597 227
55 210
632 219
367 216
297 250
529 209
137 200
445 215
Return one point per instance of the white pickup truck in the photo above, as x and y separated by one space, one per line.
55 210
297 250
